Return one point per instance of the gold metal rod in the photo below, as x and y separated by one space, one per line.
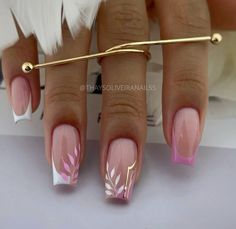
131 47
216 38
27 67
87 57
161 42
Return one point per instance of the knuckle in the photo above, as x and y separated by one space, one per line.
125 22
125 105
189 80
191 16
63 95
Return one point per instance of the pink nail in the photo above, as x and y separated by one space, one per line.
21 99
185 136
65 155
121 169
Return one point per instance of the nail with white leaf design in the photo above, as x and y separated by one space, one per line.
121 169
65 155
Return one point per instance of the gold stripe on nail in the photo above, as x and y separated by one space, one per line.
130 172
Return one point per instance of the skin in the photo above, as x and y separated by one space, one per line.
124 112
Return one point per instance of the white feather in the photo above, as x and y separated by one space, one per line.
44 18
79 13
8 30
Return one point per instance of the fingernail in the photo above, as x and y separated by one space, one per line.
185 136
21 99
121 169
65 155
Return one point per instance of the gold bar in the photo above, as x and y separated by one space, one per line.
87 57
27 67
161 42
124 48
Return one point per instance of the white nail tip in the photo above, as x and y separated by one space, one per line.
26 116
57 178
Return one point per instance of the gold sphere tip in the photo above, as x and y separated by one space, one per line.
216 38
27 67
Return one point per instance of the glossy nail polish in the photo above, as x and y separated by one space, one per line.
185 136
21 99
65 155
121 169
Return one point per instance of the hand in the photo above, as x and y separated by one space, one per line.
123 122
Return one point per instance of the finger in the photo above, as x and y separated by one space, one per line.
65 109
223 14
23 90
185 75
123 123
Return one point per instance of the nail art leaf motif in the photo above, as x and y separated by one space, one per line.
121 189
72 160
113 189
108 186
113 172
71 169
109 193
66 166
117 180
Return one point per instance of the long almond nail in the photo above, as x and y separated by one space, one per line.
65 155
121 169
21 99
185 136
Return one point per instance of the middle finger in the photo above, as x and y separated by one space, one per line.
123 128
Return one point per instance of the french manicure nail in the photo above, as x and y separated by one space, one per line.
65 155
185 136
21 99
121 169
